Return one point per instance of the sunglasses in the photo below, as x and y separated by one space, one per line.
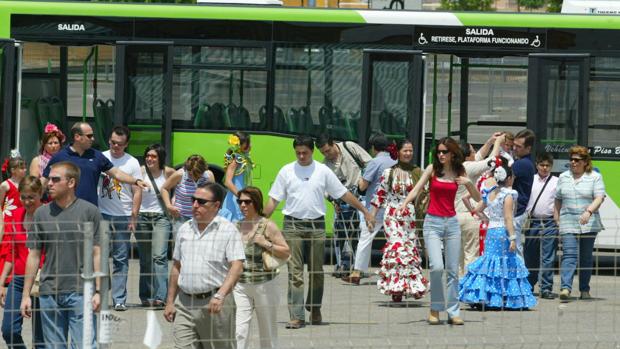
575 159
201 201
55 179
443 152
244 201
89 136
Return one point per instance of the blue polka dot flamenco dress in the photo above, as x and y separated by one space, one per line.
498 278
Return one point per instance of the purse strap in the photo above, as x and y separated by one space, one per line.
157 193
540 194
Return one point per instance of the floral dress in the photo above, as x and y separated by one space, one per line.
497 279
241 179
400 272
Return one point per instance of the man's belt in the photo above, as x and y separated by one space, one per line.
204 295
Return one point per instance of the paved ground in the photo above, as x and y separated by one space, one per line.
360 317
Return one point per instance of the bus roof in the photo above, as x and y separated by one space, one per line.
288 14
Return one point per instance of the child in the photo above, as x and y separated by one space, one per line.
14 168
498 279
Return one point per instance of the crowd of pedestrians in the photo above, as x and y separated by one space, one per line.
466 213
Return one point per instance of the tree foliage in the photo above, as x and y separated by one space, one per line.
467 5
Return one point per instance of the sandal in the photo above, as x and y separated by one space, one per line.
295 324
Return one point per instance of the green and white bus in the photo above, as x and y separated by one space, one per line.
186 76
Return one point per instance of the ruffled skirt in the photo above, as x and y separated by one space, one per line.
498 278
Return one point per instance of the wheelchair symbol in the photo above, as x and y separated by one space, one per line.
422 40
536 42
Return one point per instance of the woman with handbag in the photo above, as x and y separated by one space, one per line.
16 226
154 229
265 249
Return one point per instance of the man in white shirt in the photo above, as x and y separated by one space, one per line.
119 204
347 160
475 165
541 240
206 264
303 184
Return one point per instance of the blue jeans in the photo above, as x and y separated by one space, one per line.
446 231
120 248
63 314
346 231
577 250
518 223
153 234
541 243
12 319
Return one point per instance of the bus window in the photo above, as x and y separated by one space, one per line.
604 103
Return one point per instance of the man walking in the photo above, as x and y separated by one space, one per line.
206 264
59 231
303 184
541 240
346 160
120 205
523 171
91 163
369 183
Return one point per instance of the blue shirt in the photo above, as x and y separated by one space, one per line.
91 164
523 171
373 171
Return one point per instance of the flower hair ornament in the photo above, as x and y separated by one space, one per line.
393 151
499 172
12 155
5 165
49 128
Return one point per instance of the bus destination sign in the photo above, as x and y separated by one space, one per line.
479 37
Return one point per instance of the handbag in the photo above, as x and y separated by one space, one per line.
270 262
527 222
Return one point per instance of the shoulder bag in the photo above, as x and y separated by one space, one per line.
270 262
157 193
527 222
359 164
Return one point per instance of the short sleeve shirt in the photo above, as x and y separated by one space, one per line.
91 164
346 167
60 233
116 198
304 188
374 170
205 255
576 195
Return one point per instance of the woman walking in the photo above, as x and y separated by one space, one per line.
154 229
400 274
441 227
238 165
257 289
498 278
579 195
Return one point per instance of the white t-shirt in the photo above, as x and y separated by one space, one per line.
115 198
150 203
304 187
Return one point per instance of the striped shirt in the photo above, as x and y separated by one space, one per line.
576 196
206 255
184 191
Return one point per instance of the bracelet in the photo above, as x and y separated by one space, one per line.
218 296
512 237
97 292
270 246
589 211
137 180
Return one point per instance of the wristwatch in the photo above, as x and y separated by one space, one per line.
218 296
512 237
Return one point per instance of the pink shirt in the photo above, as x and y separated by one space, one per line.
544 207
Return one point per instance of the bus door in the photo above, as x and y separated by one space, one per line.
143 94
10 75
557 103
392 97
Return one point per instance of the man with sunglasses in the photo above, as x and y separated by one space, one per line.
120 204
206 264
91 163
58 230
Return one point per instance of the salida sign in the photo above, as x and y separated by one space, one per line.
476 37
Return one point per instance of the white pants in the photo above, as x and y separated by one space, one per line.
364 246
262 298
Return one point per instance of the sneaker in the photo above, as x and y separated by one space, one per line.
565 294
546 295
158 304
120 307
585 295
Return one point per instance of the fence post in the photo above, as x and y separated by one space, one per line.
104 245
88 277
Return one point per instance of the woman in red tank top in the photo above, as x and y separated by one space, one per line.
441 227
